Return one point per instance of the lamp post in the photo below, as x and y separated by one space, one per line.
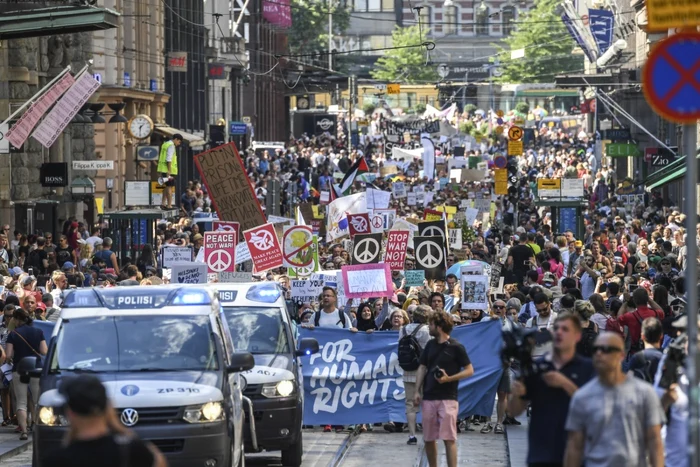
110 186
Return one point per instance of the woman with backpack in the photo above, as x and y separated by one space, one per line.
412 340
589 329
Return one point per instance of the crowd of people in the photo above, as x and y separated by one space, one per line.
613 293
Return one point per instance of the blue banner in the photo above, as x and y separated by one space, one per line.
356 377
602 23
577 37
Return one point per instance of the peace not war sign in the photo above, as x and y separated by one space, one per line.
430 255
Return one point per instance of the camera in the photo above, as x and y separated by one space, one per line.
518 345
437 373
674 362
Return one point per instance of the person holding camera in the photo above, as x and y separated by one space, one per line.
549 389
443 363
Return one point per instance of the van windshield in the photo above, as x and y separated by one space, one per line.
257 330
135 343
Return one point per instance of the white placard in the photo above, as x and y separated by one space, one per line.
176 254
455 238
325 197
188 273
428 197
457 163
340 290
572 188
471 216
93 165
474 292
279 219
456 175
235 276
308 290
411 199
242 253
4 142
399 190
465 203
137 193
368 280
377 199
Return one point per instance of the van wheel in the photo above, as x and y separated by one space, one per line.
291 457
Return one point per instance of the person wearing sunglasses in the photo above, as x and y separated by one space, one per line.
549 392
616 418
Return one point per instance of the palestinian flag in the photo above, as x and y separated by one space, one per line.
358 168
334 193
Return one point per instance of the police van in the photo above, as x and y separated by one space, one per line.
258 318
171 370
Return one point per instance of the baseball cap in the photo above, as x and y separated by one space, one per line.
549 278
68 265
16 271
197 237
84 395
28 280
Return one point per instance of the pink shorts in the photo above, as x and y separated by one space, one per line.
439 420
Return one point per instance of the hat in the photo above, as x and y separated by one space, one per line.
16 271
84 394
28 280
41 306
197 237
67 265
578 244
549 278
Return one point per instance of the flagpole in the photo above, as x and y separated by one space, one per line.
41 91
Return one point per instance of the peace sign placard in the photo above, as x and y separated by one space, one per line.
430 256
367 249
220 251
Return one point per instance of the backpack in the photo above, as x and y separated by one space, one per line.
612 325
34 261
317 318
409 351
588 336
62 257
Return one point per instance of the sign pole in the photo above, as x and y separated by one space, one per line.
691 280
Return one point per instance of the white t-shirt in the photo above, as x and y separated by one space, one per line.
330 320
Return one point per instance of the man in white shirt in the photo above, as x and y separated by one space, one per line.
91 240
329 316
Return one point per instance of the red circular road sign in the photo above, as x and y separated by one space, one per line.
670 79
500 161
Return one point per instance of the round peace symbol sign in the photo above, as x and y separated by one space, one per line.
377 222
429 255
219 260
433 231
366 250
262 240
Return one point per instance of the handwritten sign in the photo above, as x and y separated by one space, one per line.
176 254
188 273
367 280
227 183
237 276
414 277
396 246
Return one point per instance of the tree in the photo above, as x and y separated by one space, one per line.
548 47
309 31
405 65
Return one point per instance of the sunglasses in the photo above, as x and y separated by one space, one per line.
499 307
606 349
466 318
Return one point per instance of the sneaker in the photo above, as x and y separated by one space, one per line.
339 429
390 427
512 421
327 429
412 440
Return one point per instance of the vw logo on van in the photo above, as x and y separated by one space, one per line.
129 417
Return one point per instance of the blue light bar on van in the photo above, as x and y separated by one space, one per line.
119 298
266 292
187 296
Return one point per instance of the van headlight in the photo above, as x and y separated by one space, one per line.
282 388
209 412
48 416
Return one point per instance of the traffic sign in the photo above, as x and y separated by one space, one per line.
237 128
499 130
500 177
670 78
499 113
663 15
220 251
500 161
515 148
515 133
393 89
622 150
547 187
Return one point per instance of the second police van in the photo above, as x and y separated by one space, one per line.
261 324
170 367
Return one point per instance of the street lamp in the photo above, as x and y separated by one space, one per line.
82 186
450 16
110 186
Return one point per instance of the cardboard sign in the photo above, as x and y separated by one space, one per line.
455 238
308 290
300 251
359 224
367 280
399 190
188 273
175 254
377 199
367 248
431 214
396 247
387 217
235 276
264 246
414 278
474 292
430 256
411 199
220 251
227 226
228 186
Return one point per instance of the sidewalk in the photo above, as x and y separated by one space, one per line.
516 435
10 445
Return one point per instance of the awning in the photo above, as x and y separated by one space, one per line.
673 176
193 141
19 20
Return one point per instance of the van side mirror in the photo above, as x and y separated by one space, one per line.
27 368
241 361
307 346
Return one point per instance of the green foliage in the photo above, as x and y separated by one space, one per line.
466 127
368 108
548 47
470 109
406 65
309 32
419 108
522 107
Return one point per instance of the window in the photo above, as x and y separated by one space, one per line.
372 5
450 17
257 330
360 5
482 19
508 16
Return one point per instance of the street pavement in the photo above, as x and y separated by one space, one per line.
377 447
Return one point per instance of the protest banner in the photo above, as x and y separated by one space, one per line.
188 273
414 277
337 222
264 247
228 186
396 247
367 248
235 276
226 226
358 224
367 280
300 251
175 254
377 199
474 292
219 251
399 190
356 377
455 238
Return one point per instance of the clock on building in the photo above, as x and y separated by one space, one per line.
140 126
302 103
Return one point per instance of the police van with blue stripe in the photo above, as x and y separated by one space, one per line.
262 325
171 369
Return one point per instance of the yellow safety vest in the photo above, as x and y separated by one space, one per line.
163 162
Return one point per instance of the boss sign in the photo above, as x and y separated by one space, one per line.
396 246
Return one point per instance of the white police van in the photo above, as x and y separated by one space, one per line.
166 357
258 318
